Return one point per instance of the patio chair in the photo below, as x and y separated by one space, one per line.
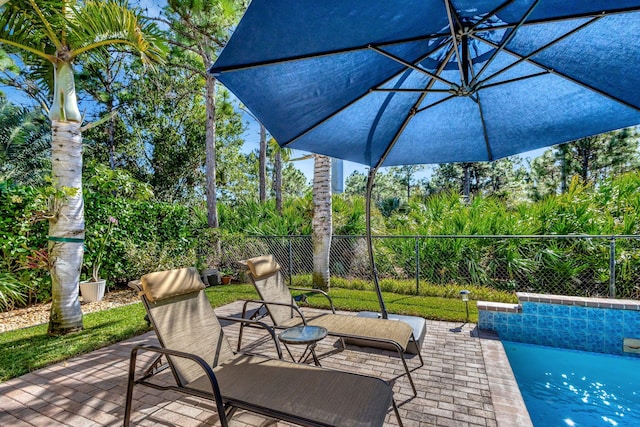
204 365
275 296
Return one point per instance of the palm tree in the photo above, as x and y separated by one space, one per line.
49 36
322 221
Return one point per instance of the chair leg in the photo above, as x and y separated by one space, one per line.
130 383
406 368
240 336
419 352
395 409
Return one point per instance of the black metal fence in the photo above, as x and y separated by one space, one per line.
580 265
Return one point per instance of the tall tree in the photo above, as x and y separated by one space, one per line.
546 177
405 176
593 159
278 155
322 221
102 77
163 120
49 37
203 27
262 163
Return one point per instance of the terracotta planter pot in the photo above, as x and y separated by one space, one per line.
226 280
92 291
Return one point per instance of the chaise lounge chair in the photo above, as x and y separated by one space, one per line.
204 365
264 273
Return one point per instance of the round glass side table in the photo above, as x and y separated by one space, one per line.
303 335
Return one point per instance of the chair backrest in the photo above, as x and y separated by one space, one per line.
264 272
184 320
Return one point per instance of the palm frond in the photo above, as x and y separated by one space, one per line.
96 25
21 27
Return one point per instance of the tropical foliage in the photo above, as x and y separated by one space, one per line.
152 235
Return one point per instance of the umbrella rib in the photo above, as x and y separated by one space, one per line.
484 129
540 49
600 13
410 115
415 67
504 42
435 103
224 69
569 78
490 14
517 79
411 90
454 39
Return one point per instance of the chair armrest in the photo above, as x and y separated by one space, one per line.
259 324
208 371
317 291
263 302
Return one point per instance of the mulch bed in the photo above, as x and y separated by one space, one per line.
39 313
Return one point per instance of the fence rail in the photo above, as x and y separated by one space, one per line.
577 265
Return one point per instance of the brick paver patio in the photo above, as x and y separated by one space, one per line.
466 381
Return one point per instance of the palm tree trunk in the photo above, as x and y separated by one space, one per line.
322 221
66 228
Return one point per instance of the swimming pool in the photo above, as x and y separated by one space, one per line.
575 388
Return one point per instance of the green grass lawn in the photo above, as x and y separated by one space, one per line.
25 350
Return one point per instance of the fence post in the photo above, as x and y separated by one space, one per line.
290 262
612 268
417 266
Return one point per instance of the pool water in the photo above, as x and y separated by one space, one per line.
575 388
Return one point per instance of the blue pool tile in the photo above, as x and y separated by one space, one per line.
514 320
595 343
596 326
596 314
578 312
613 316
561 311
631 322
529 308
530 321
578 325
581 345
546 337
576 340
529 335
613 345
545 309
485 320
560 324
499 319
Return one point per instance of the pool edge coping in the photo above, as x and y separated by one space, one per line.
508 403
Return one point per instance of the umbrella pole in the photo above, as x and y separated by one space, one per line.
374 271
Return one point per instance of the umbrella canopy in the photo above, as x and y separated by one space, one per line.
434 81
393 82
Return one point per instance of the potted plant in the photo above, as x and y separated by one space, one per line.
92 290
227 276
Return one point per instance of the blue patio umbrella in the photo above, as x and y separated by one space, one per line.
394 82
